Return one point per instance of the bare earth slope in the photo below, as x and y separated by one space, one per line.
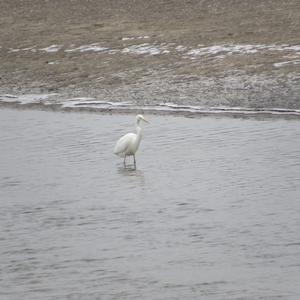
209 52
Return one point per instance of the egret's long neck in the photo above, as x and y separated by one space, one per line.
138 131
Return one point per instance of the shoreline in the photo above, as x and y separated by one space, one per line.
221 113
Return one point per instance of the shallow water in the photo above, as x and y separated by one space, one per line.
212 211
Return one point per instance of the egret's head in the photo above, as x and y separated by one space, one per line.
141 118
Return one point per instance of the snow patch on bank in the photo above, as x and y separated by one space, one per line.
242 49
86 102
146 49
284 63
27 99
130 38
51 49
218 51
95 47
222 109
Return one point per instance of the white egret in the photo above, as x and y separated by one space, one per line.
128 144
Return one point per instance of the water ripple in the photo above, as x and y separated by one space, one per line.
211 211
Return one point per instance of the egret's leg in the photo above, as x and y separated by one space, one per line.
125 160
134 161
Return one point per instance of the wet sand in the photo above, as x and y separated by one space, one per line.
211 212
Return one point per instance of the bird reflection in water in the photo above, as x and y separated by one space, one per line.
132 173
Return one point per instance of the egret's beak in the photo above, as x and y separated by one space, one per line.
146 121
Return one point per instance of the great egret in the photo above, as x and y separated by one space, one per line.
128 144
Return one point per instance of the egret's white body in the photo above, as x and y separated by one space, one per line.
128 144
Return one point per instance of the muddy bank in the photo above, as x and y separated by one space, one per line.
205 53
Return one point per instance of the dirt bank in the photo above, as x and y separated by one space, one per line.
233 53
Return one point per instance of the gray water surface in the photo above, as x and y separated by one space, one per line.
211 212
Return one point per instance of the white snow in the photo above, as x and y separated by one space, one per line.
284 63
218 51
180 48
26 99
50 49
92 103
12 50
135 38
88 48
146 49
223 50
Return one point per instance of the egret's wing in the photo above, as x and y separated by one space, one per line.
123 143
